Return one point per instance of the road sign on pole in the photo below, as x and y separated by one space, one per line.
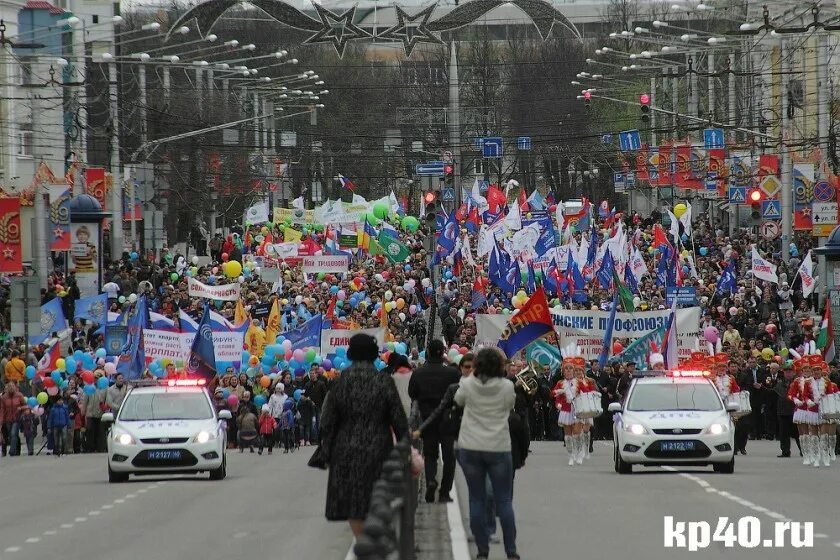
629 141
523 143
619 182
429 169
492 147
770 230
823 218
771 210
737 195
713 138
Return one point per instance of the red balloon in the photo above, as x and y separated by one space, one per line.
617 347
87 377
48 382
225 257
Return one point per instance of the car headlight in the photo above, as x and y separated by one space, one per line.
204 436
717 429
635 429
123 438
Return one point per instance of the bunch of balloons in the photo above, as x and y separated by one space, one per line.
519 299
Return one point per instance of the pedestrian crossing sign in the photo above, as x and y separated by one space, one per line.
737 195
771 210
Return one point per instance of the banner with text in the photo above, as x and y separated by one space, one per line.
225 292
337 338
175 346
587 329
329 264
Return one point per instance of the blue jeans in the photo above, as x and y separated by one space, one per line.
477 466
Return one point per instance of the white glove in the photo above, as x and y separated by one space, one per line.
810 402
797 402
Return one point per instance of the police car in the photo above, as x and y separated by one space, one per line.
676 418
167 427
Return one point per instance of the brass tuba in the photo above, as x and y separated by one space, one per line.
527 378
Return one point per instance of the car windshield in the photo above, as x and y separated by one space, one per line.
165 406
674 396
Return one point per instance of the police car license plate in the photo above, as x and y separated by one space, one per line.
164 454
677 446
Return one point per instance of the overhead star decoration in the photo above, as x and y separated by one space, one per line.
58 233
9 254
337 29
409 31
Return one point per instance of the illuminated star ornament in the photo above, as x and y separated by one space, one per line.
8 254
337 29
411 29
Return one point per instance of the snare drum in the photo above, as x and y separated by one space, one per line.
588 405
830 406
742 399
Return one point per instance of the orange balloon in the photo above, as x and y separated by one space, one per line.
265 381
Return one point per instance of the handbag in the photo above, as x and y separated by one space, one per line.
418 464
318 459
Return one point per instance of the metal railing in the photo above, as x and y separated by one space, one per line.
388 532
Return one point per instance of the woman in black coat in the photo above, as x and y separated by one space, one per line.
361 416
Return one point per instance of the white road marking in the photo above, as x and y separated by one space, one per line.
350 554
837 544
820 536
50 532
67 525
80 519
107 506
240 535
12 548
457 534
32 540
129 496
94 512
142 490
119 501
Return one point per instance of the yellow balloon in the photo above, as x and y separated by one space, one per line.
767 354
680 209
60 364
233 269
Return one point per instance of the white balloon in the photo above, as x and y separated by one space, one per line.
402 316
299 300
132 298
461 313
195 260
241 279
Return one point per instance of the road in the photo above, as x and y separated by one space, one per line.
267 507
590 512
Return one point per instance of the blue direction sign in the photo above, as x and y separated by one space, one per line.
523 143
711 181
429 169
492 147
631 180
713 138
771 210
606 139
478 144
629 141
737 195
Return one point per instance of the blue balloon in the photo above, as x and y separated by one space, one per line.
408 268
296 395
30 372
101 353
225 393
379 364
64 384
32 402
88 361
70 365
704 251
102 383
299 372
134 256
401 348
341 352
159 372
259 400
89 389
56 376
78 354
280 340
333 290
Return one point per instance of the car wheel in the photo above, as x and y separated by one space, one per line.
621 466
116 476
221 472
725 468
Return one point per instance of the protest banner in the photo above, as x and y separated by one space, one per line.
224 292
329 264
175 346
331 339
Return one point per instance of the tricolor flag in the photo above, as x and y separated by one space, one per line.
531 322
202 362
825 338
669 341
346 183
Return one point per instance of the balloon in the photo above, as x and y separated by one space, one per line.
372 219
225 257
100 353
259 401
680 209
400 303
133 255
310 355
711 334
32 402
733 311
232 269
380 210
412 309
52 391
327 364
402 316
30 372
767 354
341 295
265 382
298 355
388 295
89 389
42 398
173 277
410 224
70 365
110 368
704 251
195 260
233 400
102 383
770 328
617 348
61 364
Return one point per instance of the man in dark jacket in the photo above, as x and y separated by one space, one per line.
316 390
784 412
427 386
750 379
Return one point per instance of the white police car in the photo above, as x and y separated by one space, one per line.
168 427
676 418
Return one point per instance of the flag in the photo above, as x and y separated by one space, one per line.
607 347
495 199
257 214
825 338
544 354
365 235
52 321
625 296
240 315
498 266
531 285
383 319
604 209
202 362
292 235
92 308
637 351
477 199
581 219
806 274
298 203
255 339
685 220
447 239
346 183
479 295
577 285
762 269
392 248
669 339
389 230
531 322
161 322
662 267
272 326
536 201
630 279
47 363
728 283
606 271
513 220
132 359
307 335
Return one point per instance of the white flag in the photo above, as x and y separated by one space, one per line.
806 273
582 253
762 269
358 199
466 250
675 229
298 203
480 201
486 241
561 218
638 266
513 220
685 220
257 214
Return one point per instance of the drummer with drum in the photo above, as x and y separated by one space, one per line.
816 409
577 404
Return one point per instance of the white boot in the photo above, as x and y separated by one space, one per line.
824 447
587 438
832 446
815 451
571 445
581 449
805 442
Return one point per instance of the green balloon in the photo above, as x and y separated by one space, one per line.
410 224
380 210
372 219
310 355
173 276
321 275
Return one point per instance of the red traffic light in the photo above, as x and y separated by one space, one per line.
755 195
644 99
429 197
448 170
587 95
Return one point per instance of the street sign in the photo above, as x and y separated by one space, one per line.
629 141
25 300
492 147
606 139
824 192
478 144
429 169
737 195
446 156
771 210
619 182
770 230
711 181
631 180
685 295
770 185
523 143
823 218
713 138
447 194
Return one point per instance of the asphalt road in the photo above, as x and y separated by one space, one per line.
590 512
267 507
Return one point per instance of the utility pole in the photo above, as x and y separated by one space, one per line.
710 81
733 121
116 175
822 46
786 174
454 121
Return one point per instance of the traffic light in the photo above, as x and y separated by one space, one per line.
754 197
587 100
430 204
644 107
449 174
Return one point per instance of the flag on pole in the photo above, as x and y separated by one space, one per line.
806 274
531 322
202 362
257 214
825 338
669 341
132 360
607 347
763 269
392 248
346 183
272 326
240 315
625 296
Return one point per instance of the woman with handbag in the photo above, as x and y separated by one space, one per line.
362 414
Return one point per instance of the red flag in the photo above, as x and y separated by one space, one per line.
659 237
532 321
480 286
331 309
495 198
461 213
523 202
95 184
11 252
47 363
683 176
665 164
642 164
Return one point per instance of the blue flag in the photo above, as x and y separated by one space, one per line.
630 279
307 335
202 362
662 268
132 359
578 283
531 287
52 320
593 246
478 299
92 308
499 271
552 286
606 270
728 283
447 238
638 350
605 350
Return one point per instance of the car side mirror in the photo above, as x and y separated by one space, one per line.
225 415
107 417
614 407
732 407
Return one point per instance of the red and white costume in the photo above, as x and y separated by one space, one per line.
726 385
818 389
564 393
799 392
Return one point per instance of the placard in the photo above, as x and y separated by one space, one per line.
224 292
329 264
84 257
331 339
175 346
